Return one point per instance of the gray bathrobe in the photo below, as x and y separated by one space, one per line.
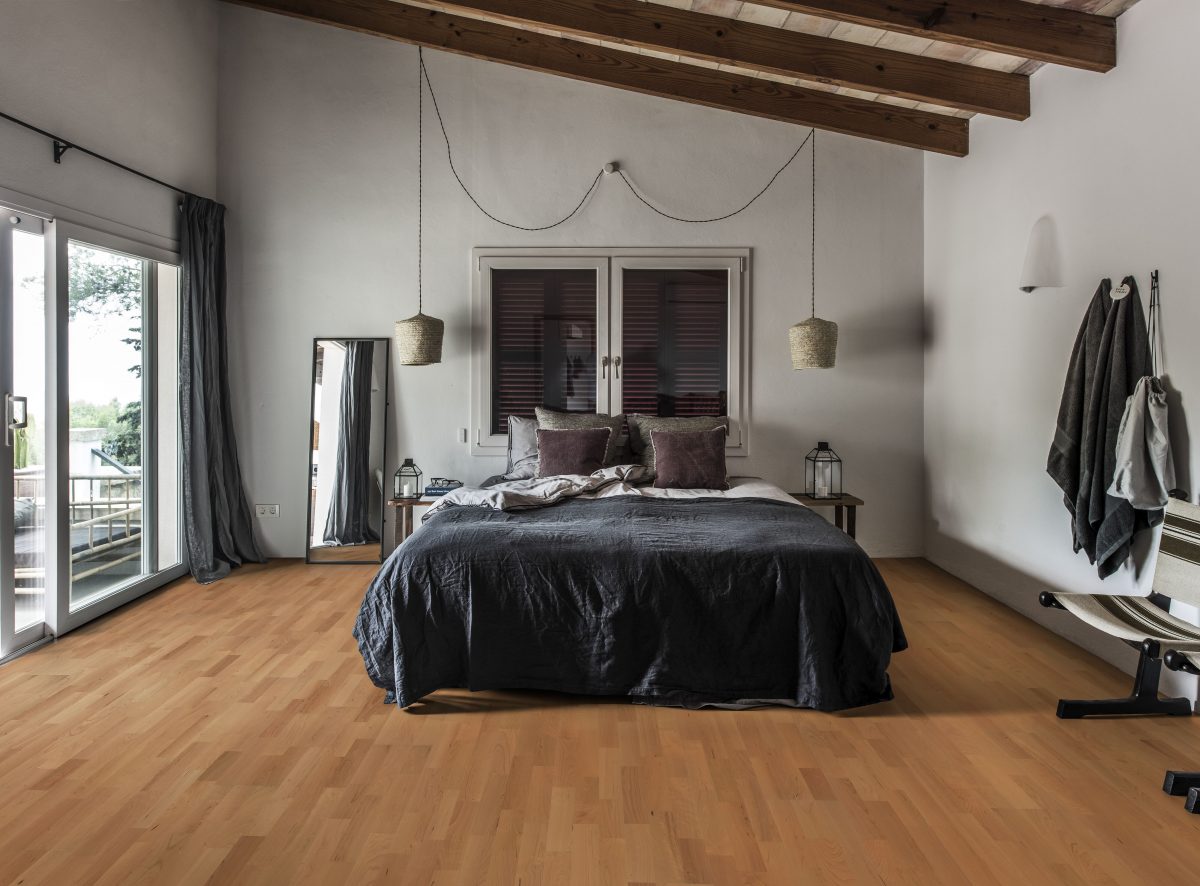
1111 353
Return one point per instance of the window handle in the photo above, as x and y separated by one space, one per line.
16 416
604 367
617 366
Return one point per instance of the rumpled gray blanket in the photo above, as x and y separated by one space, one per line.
705 601
1110 355
538 492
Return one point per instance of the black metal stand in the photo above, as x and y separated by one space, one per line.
1143 701
1192 803
1180 783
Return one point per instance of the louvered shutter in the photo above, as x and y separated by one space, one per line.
675 342
543 342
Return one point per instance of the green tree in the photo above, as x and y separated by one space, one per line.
124 442
95 415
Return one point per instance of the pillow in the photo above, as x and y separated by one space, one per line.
642 426
24 512
574 451
522 448
690 459
562 421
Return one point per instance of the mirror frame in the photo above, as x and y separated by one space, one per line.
387 410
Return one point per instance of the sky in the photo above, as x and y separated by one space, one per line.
100 360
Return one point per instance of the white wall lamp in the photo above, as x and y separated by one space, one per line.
1043 258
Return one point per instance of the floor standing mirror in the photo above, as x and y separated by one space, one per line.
347 450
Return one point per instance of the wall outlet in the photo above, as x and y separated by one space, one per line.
266 510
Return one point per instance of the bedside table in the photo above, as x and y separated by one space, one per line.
402 526
840 505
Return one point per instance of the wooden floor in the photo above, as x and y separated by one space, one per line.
228 734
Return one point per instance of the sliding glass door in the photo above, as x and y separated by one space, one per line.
23 537
118 391
89 467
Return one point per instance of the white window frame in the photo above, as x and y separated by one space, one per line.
609 264
61 616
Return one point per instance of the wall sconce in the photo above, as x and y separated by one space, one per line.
1043 261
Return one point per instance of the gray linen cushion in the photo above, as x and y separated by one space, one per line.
553 420
690 459
24 513
522 448
641 427
574 451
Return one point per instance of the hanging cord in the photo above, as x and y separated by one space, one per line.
717 218
595 181
1155 332
420 169
462 184
813 265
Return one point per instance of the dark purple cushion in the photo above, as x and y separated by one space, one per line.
689 459
575 451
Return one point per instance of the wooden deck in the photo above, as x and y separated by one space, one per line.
228 734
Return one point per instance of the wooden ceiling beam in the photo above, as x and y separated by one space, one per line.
1029 30
771 51
743 94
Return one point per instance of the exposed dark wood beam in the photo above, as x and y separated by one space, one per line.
1030 30
630 71
772 51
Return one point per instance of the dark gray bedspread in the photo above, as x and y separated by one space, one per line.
687 602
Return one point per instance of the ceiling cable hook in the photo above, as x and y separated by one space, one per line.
60 148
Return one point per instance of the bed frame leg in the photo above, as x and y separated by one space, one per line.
1143 701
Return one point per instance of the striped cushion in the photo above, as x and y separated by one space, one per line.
1178 572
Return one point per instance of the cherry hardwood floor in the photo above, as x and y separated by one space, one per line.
228 734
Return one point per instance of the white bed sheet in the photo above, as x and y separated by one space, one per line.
739 487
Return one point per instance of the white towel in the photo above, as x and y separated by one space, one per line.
1145 469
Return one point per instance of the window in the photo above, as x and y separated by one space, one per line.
656 332
543 342
89 348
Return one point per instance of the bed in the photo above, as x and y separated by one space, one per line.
677 597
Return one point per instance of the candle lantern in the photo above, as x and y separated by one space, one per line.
823 473
407 482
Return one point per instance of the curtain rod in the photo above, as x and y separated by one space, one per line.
61 146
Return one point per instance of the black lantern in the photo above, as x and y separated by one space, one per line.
823 473
407 482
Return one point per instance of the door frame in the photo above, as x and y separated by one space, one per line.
60 616
12 641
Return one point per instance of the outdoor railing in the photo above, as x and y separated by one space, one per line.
107 506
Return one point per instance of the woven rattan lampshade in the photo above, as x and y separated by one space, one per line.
814 344
419 340
814 341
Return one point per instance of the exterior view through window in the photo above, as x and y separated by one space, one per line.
122 322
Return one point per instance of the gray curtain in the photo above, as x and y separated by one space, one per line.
217 523
349 517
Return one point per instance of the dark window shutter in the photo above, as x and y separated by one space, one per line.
543 342
675 342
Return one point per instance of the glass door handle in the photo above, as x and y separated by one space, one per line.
604 367
617 366
16 416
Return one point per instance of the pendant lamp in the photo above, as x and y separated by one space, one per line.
814 341
419 338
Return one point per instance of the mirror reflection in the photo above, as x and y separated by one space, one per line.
349 415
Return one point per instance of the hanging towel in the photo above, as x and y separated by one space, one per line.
1111 353
1145 468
